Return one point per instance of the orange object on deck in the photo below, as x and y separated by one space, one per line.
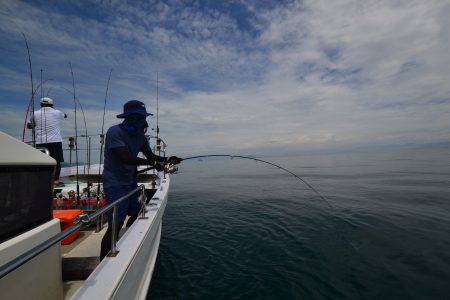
66 218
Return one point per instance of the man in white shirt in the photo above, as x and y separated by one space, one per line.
48 134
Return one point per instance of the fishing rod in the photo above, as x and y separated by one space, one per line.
43 110
257 160
28 108
265 162
87 137
76 133
103 117
102 136
85 127
86 134
33 132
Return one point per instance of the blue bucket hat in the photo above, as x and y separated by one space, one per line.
134 107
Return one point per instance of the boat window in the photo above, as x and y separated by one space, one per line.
25 198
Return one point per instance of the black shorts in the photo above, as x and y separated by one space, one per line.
55 150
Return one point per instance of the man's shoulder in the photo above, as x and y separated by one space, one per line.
54 111
114 130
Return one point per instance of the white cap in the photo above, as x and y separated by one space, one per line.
47 100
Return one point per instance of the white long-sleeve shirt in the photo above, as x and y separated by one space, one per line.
48 120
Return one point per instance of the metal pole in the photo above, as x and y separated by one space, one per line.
164 165
143 200
114 250
98 227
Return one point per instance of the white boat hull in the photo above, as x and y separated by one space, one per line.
128 275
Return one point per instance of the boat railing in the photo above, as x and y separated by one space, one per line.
82 221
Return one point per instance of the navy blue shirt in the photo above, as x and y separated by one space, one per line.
116 172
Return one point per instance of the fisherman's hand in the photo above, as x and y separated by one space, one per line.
173 160
158 166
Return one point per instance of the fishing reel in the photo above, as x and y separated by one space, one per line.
171 168
72 197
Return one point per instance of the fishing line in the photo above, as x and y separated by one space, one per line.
343 235
265 162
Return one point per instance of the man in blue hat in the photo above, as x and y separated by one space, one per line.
123 143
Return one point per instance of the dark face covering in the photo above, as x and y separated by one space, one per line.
134 124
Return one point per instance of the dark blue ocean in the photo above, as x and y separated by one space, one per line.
236 229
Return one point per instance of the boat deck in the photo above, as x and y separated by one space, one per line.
81 257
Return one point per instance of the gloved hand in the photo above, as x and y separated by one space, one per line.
159 167
173 160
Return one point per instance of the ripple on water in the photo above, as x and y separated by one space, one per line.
251 233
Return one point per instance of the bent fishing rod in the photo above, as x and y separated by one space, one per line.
279 167
257 160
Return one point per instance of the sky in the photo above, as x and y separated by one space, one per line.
238 76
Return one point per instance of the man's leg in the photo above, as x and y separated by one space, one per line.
106 241
59 157
56 151
134 207
57 171
112 194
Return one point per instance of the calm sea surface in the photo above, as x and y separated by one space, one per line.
236 229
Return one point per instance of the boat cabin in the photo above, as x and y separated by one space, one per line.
26 178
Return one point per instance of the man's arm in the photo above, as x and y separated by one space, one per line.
125 157
152 156
160 159
31 124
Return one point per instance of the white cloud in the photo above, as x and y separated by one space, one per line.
314 73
